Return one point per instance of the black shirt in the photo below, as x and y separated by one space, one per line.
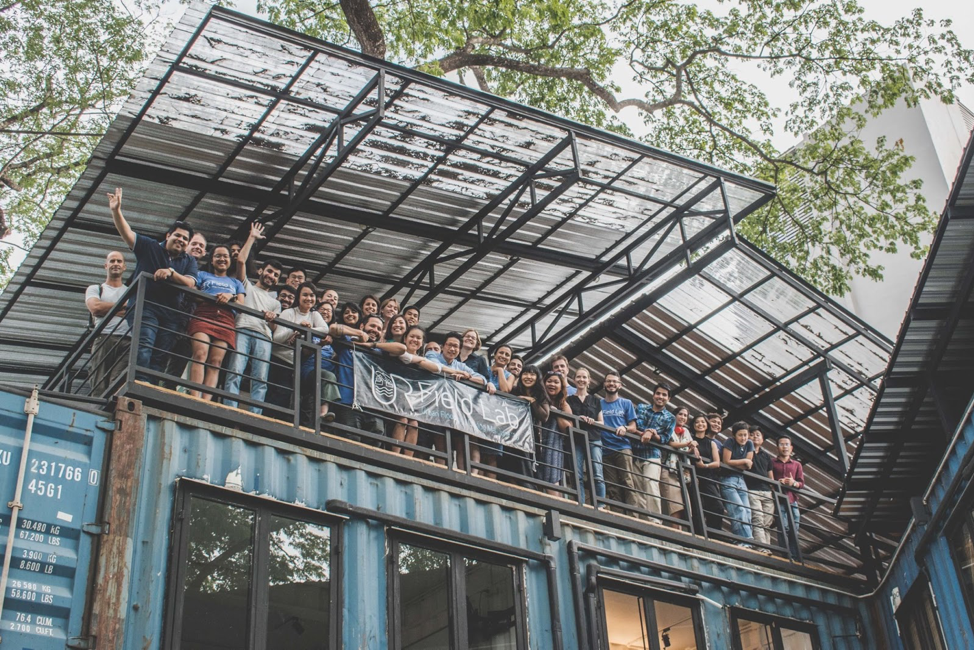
761 467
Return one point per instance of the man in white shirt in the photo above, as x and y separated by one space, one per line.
111 346
254 334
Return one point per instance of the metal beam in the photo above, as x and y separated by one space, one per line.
662 229
489 245
96 183
318 208
314 178
521 181
801 338
403 196
838 440
595 334
242 144
770 396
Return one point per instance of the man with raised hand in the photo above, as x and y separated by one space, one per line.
254 334
170 267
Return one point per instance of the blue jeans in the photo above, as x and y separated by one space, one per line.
734 492
155 339
785 528
595 453
258 347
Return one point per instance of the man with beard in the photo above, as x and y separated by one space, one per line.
619 416
254 334
169 266
112 344
353 417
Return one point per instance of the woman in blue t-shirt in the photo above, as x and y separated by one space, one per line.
737 456
212 326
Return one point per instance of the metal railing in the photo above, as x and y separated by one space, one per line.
572 463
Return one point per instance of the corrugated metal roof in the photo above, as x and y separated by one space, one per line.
929 380
740 334
409 179
534 229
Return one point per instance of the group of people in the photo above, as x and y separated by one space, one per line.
635 457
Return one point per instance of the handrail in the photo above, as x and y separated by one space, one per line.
574 458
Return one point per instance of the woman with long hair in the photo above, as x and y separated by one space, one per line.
394 329
588 408
212 329
673 475
531 390
708 485
500 376
551 444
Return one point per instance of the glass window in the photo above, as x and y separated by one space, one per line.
299 584
424 596
491 606
216 586
643 622
918 619
962 544
249 576
754 635
431 586
763 632
625 621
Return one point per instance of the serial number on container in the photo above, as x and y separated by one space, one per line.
56 469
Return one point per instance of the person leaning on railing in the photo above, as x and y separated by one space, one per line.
618 468
673 476
737 456
169 265
788 471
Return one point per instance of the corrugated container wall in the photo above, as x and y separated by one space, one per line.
177 448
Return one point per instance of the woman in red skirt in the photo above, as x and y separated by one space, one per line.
212 326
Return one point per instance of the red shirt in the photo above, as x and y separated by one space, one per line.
791 469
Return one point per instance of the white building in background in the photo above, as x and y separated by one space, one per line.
935 135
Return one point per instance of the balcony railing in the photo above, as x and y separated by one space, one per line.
566 463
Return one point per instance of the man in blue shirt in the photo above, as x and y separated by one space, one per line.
618 415
170 267
656 426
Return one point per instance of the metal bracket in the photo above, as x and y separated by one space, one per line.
96 529
80 643
107 425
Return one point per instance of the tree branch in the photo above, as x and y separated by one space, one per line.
365 25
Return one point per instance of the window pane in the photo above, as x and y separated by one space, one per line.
964 552
918 620
754 635
299 596
217 585
491 606
625 620
795 640
424 598
675 625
